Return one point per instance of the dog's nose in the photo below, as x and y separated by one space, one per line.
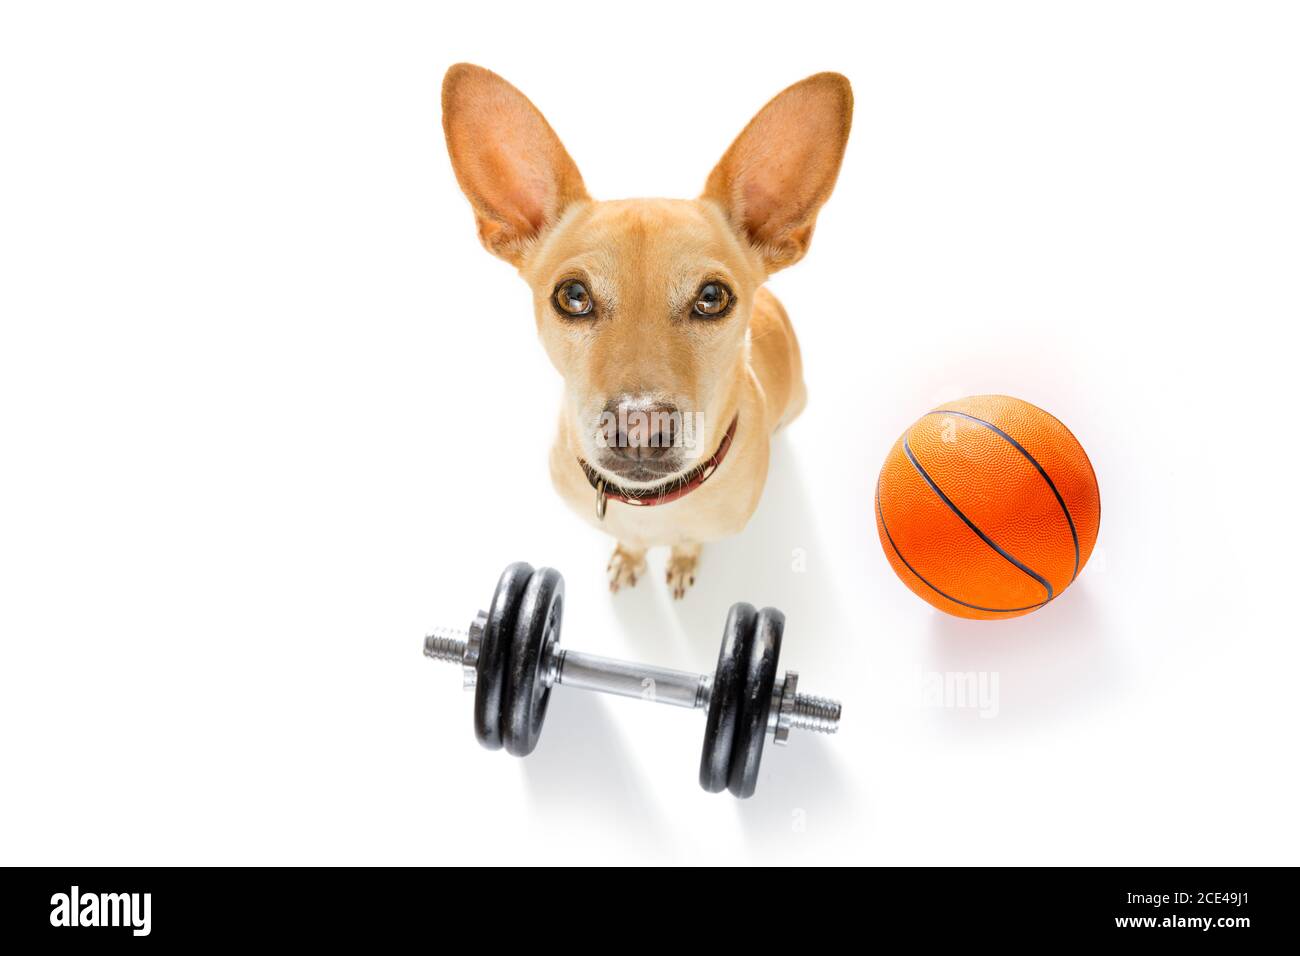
640 432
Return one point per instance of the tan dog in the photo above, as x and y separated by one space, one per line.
678 365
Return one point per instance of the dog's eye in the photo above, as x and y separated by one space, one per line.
713 300
572 298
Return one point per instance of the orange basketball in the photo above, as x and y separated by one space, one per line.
987 507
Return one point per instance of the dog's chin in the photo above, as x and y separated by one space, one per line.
642 474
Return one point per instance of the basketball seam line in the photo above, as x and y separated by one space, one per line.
971 524
1033 461
919 577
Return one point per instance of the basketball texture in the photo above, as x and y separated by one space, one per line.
987 507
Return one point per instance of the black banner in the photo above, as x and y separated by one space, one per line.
135 907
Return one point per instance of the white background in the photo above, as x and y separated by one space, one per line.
268 413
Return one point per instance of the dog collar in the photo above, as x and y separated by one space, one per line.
660 494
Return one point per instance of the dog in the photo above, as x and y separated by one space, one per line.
678 364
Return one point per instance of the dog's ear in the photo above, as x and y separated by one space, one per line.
782 168
508 161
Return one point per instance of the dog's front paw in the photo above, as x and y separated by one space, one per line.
625 566
681 569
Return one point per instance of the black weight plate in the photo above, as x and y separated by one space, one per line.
494 651
759 677
724 698
537 626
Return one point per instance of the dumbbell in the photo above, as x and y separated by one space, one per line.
511 658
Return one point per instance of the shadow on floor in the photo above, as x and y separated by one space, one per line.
1051 664
582 767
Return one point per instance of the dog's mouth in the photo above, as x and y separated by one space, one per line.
655 490
643 475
